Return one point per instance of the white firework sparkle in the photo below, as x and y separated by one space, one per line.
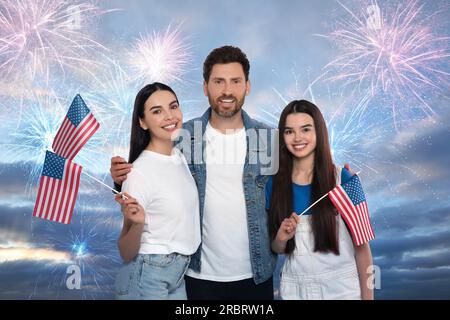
393 51
37 36
112 100
161 56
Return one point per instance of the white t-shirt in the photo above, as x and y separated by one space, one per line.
163 185
225 242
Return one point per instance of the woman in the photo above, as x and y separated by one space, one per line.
321 261
161 215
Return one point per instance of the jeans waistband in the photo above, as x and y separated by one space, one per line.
147 257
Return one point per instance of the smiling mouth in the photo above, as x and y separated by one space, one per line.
227 100
170 127
299 146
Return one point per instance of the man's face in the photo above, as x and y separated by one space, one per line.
226 89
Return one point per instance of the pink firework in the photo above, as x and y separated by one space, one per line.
162 57
392 51
37 35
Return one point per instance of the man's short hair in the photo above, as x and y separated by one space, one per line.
222 55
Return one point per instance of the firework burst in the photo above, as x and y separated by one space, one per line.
39 35
161 56
353 127
354 131
393 53
112 99
28 143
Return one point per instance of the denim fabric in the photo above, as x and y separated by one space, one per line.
254 179
153 277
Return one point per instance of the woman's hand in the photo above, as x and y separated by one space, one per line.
133 225
121 197
131 209
287 228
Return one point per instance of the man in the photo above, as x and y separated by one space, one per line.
227 160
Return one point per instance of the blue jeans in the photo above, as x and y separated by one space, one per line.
153 277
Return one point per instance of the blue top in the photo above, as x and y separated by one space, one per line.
301 193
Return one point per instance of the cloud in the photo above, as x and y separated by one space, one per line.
412 252
13 180
423 146
417 284
40 280
35 254
411 217
23 251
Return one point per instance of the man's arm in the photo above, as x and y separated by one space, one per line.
119 170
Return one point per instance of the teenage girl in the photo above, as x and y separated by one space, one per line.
321 260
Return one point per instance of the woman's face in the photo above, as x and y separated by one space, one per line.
300 135
162 115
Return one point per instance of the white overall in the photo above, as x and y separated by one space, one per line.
309 275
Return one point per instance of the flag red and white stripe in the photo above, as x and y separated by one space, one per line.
350 201
78 126
58 189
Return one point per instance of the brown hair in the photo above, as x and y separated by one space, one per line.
223 55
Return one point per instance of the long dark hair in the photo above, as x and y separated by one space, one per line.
323 221
140 138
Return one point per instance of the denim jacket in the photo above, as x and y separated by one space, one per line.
254 178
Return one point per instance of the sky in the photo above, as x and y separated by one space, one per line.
378 70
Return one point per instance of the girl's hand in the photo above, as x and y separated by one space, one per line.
347 166
288 227
133 211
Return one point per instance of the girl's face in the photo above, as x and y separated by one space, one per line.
300 135
162 115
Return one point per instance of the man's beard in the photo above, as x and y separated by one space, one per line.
229 113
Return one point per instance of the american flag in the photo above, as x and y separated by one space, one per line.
78 126
350 201
58 189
